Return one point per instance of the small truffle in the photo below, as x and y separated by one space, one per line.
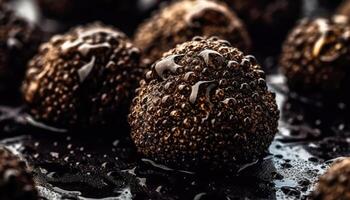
204 105
335 183
181 21
268 21
16 182
315 56
19 40
83 78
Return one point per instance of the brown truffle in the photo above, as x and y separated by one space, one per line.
335 183
16 182
19 40
316 55
268 21
83 78
181 21
204 105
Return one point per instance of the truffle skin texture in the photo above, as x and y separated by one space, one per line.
181 21
16 182
83 78
335 183
268 21
316 57
19 40
204 105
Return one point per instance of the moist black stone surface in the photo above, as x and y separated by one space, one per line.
82 165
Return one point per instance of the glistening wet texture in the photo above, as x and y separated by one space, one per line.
85 77
204 105
72 167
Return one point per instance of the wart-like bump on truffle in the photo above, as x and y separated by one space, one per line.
316 55
19 40
83 78
204 105
181 21
16 183
335 183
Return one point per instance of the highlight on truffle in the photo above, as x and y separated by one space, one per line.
83 78
182 20
204 105
16 182
268 21
335 183
20 40
315 56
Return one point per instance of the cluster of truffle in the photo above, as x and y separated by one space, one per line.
203 103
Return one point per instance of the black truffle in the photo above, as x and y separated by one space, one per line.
268 21
204 105
316 57
83 78
181 21
19 40
16 182
335 183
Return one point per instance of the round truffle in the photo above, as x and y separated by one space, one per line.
204 105
182 20
16 182
268 21
335 183
316 55
83 78
19 40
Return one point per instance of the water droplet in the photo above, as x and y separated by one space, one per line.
167 64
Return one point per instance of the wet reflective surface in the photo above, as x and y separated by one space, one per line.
82 165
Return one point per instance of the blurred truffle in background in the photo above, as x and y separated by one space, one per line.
19 41
316 55
268 21
83 78
16 182
182 20
335 183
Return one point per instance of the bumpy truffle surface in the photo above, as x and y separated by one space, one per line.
85 77
19 41
335 183
268 21
316 55
204 105
181 21
16 183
